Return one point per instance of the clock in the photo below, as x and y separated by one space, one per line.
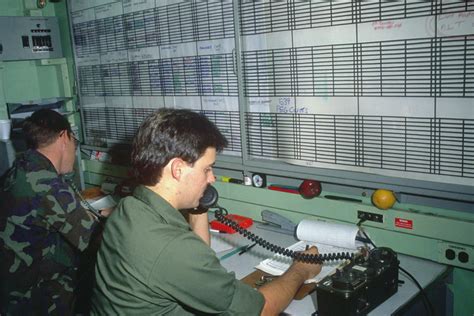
259 180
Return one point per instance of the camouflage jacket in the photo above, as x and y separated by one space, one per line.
43 228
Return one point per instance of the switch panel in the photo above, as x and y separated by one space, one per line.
29 37
368 216
456 254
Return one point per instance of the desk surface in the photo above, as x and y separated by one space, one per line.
424 271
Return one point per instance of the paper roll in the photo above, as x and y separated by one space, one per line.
340 235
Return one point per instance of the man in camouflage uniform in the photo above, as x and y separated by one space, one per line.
43 227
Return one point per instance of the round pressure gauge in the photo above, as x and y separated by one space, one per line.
259 180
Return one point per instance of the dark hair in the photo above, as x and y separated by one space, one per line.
43 128
171 133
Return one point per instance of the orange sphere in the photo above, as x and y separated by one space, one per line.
383 199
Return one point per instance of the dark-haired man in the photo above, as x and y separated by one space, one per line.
153 262
43 227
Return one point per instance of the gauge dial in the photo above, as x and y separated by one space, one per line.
259 180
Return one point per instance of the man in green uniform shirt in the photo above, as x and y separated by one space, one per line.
152 261
43 227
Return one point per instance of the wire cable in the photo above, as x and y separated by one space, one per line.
83 200
426 301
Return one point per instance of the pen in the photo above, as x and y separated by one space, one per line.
283 189
231 180
342 198
247 248
217 231
233 252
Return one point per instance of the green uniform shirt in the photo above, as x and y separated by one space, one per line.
151 263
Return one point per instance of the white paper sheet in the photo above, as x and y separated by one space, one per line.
102 203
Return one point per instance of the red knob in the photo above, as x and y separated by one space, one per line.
310 189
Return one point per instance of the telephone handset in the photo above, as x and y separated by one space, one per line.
69 178
209 200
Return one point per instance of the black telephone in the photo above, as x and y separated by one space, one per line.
209 200
69 178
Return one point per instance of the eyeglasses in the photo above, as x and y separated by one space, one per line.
73 137
76 141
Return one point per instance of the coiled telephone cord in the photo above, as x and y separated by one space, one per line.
220 214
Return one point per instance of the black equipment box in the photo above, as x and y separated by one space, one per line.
360 286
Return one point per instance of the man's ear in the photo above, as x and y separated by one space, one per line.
177 167
63 139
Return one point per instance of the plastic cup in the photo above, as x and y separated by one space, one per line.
5 128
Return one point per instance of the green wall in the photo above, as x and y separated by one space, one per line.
463 292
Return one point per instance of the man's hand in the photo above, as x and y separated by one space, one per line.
105 212
279 293
309 269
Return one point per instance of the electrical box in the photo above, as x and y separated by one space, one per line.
29 37
456 254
